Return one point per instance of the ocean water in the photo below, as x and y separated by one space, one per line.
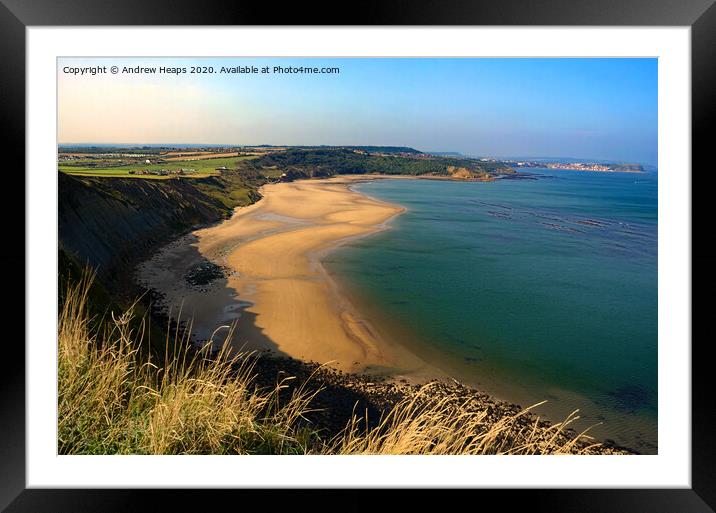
537 288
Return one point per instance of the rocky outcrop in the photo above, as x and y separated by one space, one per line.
460 172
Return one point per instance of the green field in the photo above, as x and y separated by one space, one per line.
201 168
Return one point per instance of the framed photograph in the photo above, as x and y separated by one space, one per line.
449 248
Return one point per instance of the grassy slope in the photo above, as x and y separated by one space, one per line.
115 399
113 224
106 221
306 163
110 223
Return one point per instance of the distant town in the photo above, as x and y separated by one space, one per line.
580 166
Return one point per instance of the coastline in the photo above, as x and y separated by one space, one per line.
283 300
340 395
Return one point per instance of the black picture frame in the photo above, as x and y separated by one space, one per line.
17 15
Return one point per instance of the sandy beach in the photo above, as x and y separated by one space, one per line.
275 288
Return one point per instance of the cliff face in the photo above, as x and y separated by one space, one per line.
111 223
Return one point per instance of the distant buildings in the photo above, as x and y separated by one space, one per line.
578 166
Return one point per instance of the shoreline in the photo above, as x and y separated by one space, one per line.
277 290
341 394
285 303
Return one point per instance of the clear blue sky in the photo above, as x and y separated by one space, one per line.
585 108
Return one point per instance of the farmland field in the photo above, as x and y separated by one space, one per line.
201 168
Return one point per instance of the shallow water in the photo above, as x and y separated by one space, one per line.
534 289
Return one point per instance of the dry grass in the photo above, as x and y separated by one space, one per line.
423 424
113 399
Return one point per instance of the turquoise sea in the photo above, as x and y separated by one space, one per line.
543 287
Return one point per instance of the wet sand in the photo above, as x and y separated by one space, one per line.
275 288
